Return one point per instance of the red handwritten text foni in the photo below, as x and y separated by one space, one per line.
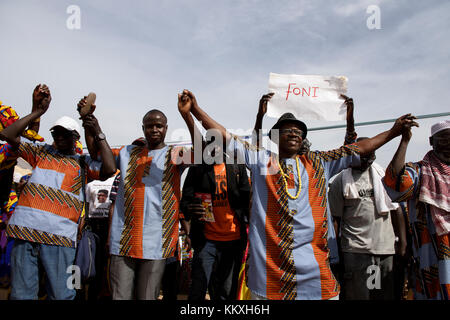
301 91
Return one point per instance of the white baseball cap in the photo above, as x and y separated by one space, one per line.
16 177
437 127
67 123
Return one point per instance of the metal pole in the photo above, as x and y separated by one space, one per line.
368 123
359 124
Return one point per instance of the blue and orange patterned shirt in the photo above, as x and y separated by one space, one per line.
288 236
145 220
51 202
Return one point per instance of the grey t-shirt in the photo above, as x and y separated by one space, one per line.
363 230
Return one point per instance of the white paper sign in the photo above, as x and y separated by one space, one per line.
308 97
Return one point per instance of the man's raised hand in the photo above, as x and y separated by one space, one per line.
263 103
185 101
350 106
403 125
41 98
44 102
40 92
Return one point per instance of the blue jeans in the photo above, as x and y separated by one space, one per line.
225 258
25 257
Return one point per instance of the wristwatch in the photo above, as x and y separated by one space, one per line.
100 136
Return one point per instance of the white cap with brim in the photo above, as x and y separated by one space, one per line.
16 177
437 127
67 123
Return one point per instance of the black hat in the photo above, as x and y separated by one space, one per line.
289 117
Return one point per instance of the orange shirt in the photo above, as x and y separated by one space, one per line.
226 226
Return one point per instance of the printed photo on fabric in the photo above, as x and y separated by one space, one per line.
97 195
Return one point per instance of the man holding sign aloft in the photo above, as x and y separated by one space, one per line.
288 253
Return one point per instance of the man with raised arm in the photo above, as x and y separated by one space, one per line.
45 222
350 137
144 225
8 116
288 253
425 186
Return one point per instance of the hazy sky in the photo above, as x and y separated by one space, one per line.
138 55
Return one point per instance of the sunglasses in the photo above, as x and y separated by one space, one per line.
62 133
296 132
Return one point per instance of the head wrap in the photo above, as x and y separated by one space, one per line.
8 116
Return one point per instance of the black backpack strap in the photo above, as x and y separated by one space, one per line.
83 184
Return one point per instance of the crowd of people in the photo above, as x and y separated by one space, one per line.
249 223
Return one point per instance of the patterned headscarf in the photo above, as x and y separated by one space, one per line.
434 190
78 147
8 116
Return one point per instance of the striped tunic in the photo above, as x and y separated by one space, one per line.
431 253
146 214
51 202
288 252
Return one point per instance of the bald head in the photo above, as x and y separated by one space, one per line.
155 113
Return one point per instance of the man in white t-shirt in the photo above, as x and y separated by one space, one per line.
366 215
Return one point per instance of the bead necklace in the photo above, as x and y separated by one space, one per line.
284 175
